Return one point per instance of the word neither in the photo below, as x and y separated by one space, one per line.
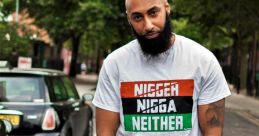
157 123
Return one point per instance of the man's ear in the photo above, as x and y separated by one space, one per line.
167 7
128 18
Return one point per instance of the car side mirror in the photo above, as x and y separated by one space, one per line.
87 97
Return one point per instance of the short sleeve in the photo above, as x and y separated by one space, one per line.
214 86
106 96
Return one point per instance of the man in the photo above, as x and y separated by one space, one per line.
161 83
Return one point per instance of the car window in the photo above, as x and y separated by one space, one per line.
20 89
59 89
70 88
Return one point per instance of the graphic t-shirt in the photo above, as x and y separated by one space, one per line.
157 106
160 96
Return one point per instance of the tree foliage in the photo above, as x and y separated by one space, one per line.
228 22
11 42
94 27
220 20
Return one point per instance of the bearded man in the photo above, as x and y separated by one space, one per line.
161 83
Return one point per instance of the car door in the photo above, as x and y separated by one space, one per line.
63 104
82 114
68 105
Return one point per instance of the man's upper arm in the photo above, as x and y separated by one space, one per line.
107 122
211 118
107 101
214 86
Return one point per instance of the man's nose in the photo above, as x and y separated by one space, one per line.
148 25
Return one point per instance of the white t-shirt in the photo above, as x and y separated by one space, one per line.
159 96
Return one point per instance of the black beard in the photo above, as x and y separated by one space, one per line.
153 47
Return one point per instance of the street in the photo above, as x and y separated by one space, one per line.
238 125
241 116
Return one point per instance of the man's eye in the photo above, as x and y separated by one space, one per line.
137 18
153 13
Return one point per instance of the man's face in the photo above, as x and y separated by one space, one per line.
149 20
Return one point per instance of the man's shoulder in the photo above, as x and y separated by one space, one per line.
184 41
124 51
191 46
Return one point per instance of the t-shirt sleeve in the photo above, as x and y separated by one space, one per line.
106 96
214 86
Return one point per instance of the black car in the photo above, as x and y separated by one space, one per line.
43 102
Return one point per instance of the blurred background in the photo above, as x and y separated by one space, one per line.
76 35
65 34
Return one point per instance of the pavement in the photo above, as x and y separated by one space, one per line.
87 79
245 106
86 83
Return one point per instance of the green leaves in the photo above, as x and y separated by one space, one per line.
182 26
218 21
10 42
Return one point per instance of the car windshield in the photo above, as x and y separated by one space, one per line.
20 89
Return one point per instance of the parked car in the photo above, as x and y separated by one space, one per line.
43 102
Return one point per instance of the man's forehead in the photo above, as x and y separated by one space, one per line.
139 5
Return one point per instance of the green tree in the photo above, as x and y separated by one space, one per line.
228 22
11 42
96 24
182 26
70 20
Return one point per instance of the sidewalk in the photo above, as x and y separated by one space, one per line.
245 106
88 79
241 102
